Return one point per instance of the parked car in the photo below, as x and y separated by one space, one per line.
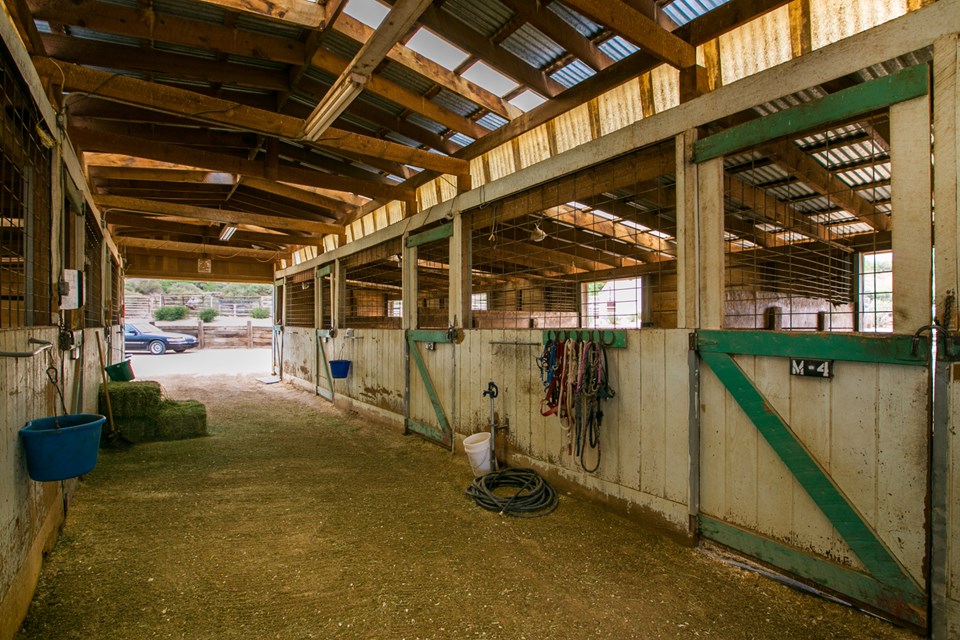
143 336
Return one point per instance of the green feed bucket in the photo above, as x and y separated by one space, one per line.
120 372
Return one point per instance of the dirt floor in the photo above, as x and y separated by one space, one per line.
293 521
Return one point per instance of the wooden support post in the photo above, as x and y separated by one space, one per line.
338 294
688 279
694 82
945 504
200 336
409 285
249 334
710 249
912 219
461 269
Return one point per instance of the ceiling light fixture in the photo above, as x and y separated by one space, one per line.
538 234
226 232
334 103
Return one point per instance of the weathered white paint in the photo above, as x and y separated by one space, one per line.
866 427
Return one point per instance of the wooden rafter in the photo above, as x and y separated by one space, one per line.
231 114
94 140
554 27
215 215
193 247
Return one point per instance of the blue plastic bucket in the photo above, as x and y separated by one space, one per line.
339 368
62 447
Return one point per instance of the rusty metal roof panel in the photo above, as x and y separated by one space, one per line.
487 17
534 47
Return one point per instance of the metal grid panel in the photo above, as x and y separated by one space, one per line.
374 292
116 288
300 292
592 249
795 239
93 308
433 284
25 283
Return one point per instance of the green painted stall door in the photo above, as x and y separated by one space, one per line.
824 474
431 380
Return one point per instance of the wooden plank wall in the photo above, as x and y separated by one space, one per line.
299 354
953 508
30 512
376 373
866 426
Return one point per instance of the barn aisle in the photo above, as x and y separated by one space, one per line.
295 521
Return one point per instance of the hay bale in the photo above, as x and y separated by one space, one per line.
137 399
135 429
179 420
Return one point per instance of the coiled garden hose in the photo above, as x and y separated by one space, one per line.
533 498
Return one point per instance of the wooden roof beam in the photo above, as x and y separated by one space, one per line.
198 248
233 115
163 27
99 141
357 73
639 29
215 215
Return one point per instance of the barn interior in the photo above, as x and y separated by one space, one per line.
747 208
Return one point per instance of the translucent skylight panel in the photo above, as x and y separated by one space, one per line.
369 12
482 74
432 46
527 100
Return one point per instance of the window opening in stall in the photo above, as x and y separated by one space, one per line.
25 213
301 299
433 284
573 252
93 273
798 212
875 292
374 281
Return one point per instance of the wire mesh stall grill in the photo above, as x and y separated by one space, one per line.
325 301
433 284
800 218
25 264
93 306
594 249
301 301
374 287
116 292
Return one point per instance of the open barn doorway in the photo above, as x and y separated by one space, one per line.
187 327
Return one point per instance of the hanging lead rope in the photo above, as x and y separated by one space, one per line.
575 381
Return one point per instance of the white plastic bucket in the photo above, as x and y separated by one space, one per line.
477 448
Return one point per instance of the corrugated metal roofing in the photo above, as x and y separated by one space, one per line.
402 139
426 123
585 26
455 102
372 99
268 27
202 11
319 75
683 11
492 121
259 63
100 36
403 76
461 139
340 44
533 46
487 17
205 54
572 74
617 48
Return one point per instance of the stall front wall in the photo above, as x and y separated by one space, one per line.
299 349
644 429
376 376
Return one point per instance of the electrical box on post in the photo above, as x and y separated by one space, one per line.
72 295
